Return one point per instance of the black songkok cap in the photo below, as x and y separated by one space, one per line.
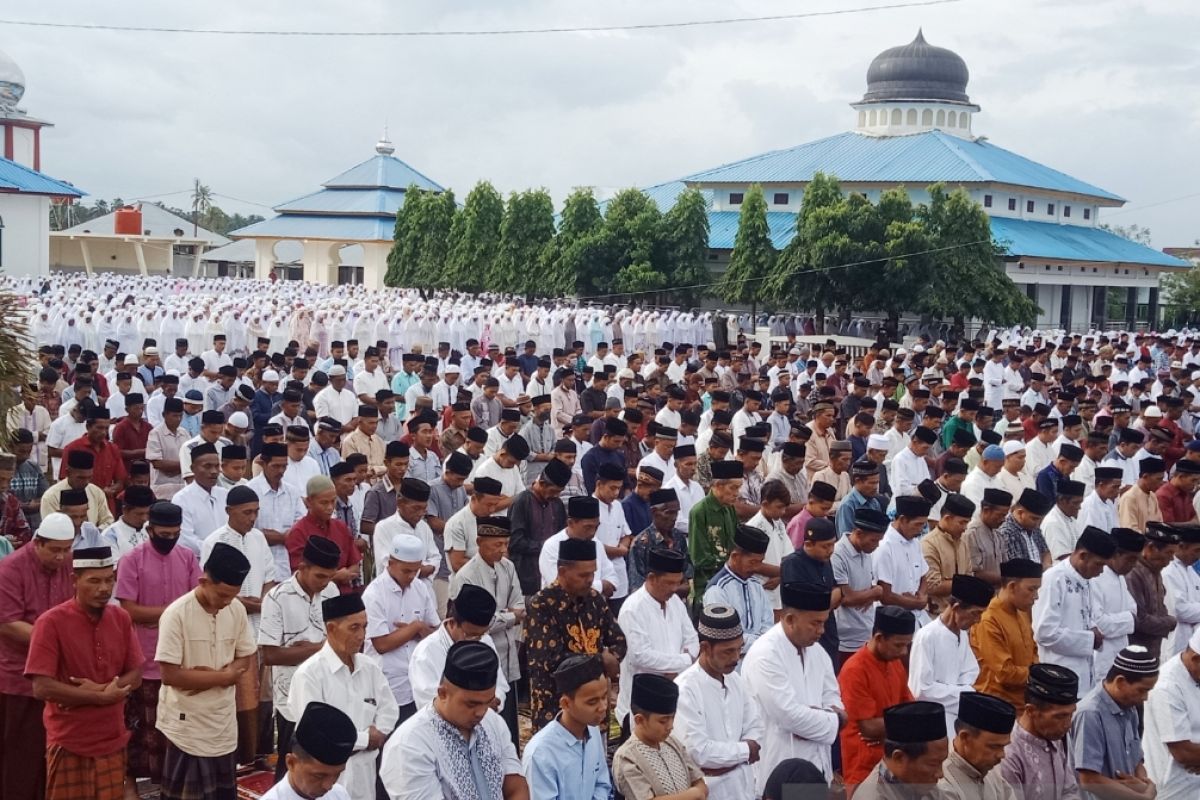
81 459
661 559
1097 542
997 497
414 489
475 605
613 472
577 549
326 733
212 418
894 621
958 505
342 605
986 712
804 596
660 497
575 671
751 539
166 514
488 486
870 520
726 470
460 463
823 491
471 665
322 552
1128 540
925 435
556 473
227 565
73 497
233 452
1151 464
819 529
240 495
273 450
1035 502
914 723
1070 452
971 591
139 496
654 694
1020 568
204 449
912 506
1052 683
396 450
583 508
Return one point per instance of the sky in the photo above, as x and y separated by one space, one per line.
1105 90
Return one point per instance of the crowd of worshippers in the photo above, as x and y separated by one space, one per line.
965 571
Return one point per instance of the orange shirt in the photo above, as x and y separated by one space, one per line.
868 687
1004 646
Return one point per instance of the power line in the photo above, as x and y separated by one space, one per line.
476 32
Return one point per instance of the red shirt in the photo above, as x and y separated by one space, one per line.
27 591
1176 507
307 527
127 435
109 468
70 643
868 687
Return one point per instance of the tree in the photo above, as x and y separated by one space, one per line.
1181 293
475 238
201 204
802 277
402 260
907 267
754 255
968 280
576 261
16 354
685 232
633 227
1134 232
526 231
433 243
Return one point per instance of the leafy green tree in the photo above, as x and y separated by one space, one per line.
633 225
16 354
475 238
438 212
685 234
907 268
639 278
576 261
201 203
1181 294
402 260
802 277
754 256
525 233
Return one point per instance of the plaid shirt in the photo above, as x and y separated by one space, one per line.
1018 542
13 525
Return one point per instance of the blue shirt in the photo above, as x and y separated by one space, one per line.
1048 480
558 765
747 598
851 503
637 512
800 567
592 461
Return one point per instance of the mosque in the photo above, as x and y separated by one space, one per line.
915 126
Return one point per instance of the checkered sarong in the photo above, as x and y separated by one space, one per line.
188 777
146 742
72 777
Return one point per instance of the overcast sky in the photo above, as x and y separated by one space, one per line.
1105 90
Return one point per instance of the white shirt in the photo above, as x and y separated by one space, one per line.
253 545
63 431
342 406
369 383
1172 714
1098 513
388 607
461 532
429 661
284 791
1061 532
941 666
976 483
906 472
364 696
511 484
297 473
290 616
510 387
653 459
278 510
897 443
661 640
612 527
386 531
203 513
414 759
714 720
123 538
1085 473
1114 610
778 546
688 494
1062 622
1183 602
796 695
900 563
548 563
1038 455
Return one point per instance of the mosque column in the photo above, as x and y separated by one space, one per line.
1131 304
264 258
87 256
141 258
375 255
317 262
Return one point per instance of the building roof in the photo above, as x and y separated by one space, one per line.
19 179
917 159
346 201
157 222
1024 238
917 71
288 253
381 170
321 226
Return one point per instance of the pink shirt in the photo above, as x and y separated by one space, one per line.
795 528
149 579
27 591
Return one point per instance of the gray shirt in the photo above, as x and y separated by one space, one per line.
444 502
856 571
1104 736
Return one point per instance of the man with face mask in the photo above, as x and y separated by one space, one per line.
152 576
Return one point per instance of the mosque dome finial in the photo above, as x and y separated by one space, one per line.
917 71
384 146
12 83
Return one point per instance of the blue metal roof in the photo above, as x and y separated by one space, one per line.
18 178
916 159
377 202
1029 239
312 226
381 171
723 226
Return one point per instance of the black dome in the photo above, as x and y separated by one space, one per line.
917 71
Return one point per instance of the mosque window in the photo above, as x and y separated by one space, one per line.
1012 204
735 198
872 118
927 117
1066 211
1050 209
781 198
897 118
862 118
987 201
941 116
963 119
1087 213
1029 207
912 116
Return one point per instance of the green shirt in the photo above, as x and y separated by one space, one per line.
710 538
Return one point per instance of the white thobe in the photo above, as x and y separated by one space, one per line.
1038 455
1183 602
1061 532
714 720
389 607
1114 610
612 528
1085 473
362 694
661 640
342 406
653 459
1172 715
284 791
1099 513
429 661
203 513
976 483
548 563
900 563
907 471
796 693
415 759
688 494
386 531
941 666
1063 622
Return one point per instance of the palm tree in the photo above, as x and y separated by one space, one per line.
201 204
16 355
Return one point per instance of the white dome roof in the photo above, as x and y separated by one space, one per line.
12 83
